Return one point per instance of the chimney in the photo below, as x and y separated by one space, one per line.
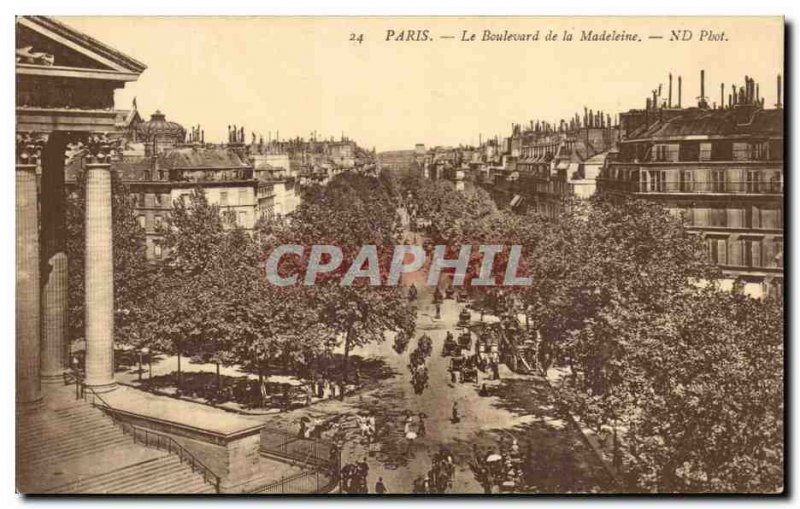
779 92
721 95
702 102
679 91
758 94
669 100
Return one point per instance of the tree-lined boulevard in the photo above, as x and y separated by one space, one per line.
624 306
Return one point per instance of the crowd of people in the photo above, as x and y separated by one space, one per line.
353 477
501 469
416 363
366 428
440 477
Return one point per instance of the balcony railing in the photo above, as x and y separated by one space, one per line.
726 187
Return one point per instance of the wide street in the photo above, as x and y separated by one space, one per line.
519 406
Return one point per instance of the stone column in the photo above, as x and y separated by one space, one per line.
99 270
55 285
28 314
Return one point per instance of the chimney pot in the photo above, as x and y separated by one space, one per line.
669 105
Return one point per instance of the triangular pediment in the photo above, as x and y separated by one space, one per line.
43 41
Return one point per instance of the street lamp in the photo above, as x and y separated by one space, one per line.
77 375
144 351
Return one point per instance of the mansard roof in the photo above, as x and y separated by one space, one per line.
732 122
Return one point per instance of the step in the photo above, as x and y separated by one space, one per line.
121 477
61 426
169 481
73 434
171 484
56 448
77 452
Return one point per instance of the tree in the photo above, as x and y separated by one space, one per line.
184 310
350 212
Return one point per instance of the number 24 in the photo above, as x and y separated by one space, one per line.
359 38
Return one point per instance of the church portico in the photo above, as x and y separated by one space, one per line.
65 84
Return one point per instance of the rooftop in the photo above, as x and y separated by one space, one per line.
735 121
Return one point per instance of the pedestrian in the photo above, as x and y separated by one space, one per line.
309 392
321 388
495 371
363 470
380 488
331 389
409 433
456 418
421 430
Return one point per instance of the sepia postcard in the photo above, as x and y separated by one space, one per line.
399 255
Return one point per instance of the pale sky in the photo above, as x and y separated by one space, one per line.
297 75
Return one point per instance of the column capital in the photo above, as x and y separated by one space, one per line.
98 148
29 148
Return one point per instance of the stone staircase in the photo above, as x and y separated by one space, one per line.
160 475
69 446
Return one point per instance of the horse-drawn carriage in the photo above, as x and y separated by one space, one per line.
463 370
465 340
469 373
450 347
464 317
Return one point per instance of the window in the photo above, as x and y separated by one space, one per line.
141 202
142 221
157 251
737 218
773 253
718 216
771 218
759 151
157 222
656 180
718 250
223 198
753 181
242 218
686 181
667 152
242 196
717 181
158 199
776 182
741 151
751 252
705 152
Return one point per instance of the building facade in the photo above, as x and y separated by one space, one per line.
719 168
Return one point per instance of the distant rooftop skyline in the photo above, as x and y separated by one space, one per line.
300 75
